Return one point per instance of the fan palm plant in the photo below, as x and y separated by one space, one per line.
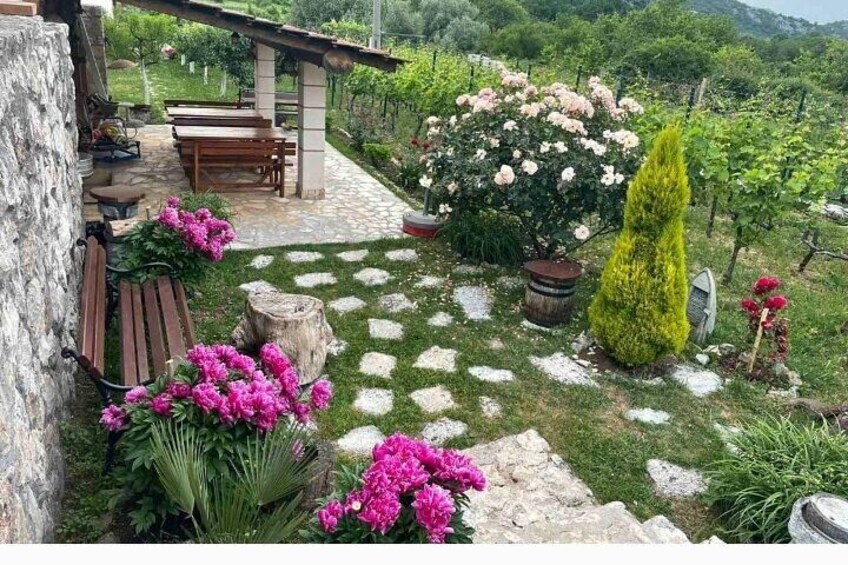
258 501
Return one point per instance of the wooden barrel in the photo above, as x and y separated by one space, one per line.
549 298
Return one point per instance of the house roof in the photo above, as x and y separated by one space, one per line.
301 43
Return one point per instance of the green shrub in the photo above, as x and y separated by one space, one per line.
775 462
215 203
378 154
485 237
639 313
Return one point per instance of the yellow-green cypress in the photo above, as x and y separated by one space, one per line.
639 312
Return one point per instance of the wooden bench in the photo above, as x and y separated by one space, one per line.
202 103
221 122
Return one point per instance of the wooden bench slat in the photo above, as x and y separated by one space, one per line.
88 298
129 373
100 313
176 346
140 335
153 318
185 315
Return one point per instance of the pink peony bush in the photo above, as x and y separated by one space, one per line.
411 492
199 231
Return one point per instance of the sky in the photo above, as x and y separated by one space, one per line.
821 11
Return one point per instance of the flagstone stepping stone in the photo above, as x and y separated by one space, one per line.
468 270
373 277
257 286
490 375
402 255
374 401
496 344
437 359
376 364
563 369
261 261
490 407
434 399
442 430
647 416
384 329
511 283
303 256
360 441
354 256
336 347
311 280
527 324
700 382
396 303
428 281
440 320
347 304
475 301
673 481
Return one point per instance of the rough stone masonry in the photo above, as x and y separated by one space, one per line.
40 219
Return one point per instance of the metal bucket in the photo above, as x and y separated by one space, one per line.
85 164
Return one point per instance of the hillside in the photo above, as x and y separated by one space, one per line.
765 23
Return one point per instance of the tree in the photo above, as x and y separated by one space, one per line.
139 35
672 59
438 15
464 34
639 312
400 19
502 13
523 41
311 14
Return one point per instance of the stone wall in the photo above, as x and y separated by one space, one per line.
40 219
95 56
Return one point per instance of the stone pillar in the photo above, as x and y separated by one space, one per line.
311 110
264 81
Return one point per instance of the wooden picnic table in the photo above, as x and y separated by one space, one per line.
192 133
195 112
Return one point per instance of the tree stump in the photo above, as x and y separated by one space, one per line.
294 322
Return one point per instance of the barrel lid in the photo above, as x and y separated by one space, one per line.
557 270
117 194
828 514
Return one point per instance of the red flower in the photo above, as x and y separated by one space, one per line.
414 142
751 307
764 285
775 303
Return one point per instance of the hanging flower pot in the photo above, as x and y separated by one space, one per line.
549 298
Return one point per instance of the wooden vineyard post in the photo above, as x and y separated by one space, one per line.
757 340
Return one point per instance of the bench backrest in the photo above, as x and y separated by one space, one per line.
217 149
93 309
221 122
202 103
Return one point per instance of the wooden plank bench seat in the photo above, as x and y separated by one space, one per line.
202 103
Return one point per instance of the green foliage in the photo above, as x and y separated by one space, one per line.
256 502
311 14
672 59
138 35
400 19
438 15
347 30
502 13
485 237
774 463
212 201
378 153
639 312
522 40
214 46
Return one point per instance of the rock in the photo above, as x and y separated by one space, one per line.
442 430
396 303
311 280
402 255
377 365
564 370
663 531
303 256
780 394
374 401
537 328
699 382
433 400
490 407
385 329
359 442
647 416
490 375
835 212
813 517
294 322
722 350
712 540
428 281
336 347
353 256
257 286
582 342
673 481
583 363
440 320
475 301
468 270
372 277
261 261
122 64
437 359
347 304
703 359
495 344
791 377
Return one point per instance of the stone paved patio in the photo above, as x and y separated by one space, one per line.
356 208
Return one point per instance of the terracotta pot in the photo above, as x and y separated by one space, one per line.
549 298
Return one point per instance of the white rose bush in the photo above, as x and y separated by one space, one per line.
556 161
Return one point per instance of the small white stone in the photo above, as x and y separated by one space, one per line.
347 304
537 328
468 270
700 382
437 359
396 303
490 407
433 400
490 375
359 442
261 261
354 256
647 416
440 320
703 359
374 401
384 329
311 280
442 430
255 287
303 256
402 255
511 283
564 370
336 347
428 281
475 301
376 364
373 277
674 481
495 344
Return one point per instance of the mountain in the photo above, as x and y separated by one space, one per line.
761 22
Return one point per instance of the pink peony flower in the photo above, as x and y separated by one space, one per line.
162 404
329 516
321 394
380 512
776 303
206 396
113 418
136 395
434 509
179 390
764 285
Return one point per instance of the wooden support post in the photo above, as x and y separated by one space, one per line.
16 8
757 340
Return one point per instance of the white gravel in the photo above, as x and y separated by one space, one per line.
440 320
384 329
402 255
373 277
354 256
442 430
303 256
563 369
395 303
475 301
311 280
374 401
437 359
433 400
491 375
261 261
376 364
347 304
359 442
